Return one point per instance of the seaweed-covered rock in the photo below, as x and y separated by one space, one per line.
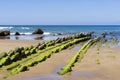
63 38
18 50
52 42
27 52
17 33
22 48
5 61
30 64
38 31
104 34
42 46
26 48
11 52
22 68
30 47
15 57
58 40
4 32
3 54
32 51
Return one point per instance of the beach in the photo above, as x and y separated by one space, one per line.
26 59
59 40
87 69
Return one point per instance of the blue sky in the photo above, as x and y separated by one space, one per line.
42 12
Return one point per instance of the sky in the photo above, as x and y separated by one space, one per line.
59 12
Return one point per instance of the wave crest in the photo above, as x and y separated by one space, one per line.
2 28
25 28
46 33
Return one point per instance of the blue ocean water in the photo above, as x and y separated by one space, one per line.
50 30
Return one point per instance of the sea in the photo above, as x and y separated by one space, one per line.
55 31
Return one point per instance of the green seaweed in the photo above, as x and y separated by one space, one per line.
97 61
11 66
47 49
3 54
48 54
77 57
35 49
15 57
5 61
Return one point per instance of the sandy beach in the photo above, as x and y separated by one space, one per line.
59 40
87 69
7 45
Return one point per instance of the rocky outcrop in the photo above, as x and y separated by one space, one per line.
17 33
4 32
38 31
3 54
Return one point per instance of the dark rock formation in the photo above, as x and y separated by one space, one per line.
104 34
17 33
4 32
3 54
42 46
38 31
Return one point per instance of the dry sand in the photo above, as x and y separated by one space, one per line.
87 69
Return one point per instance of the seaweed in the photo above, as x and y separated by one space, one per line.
77 57
3 54
5 61
97 61
19 55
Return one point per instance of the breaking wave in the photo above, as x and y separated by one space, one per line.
2 28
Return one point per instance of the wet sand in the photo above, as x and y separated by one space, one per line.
87 69
46 70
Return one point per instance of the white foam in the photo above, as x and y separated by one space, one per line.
2 28
46 33
28 33
25 28
12 33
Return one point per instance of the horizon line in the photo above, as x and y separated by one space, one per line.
61 24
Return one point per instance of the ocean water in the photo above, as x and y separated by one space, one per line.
53 31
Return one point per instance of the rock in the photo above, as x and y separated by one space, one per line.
104 34
58 40
17 33
38 31
3 54
5 61
10 53
18 50
4 32
42 46
59 34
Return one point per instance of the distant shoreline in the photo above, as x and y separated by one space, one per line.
53 31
